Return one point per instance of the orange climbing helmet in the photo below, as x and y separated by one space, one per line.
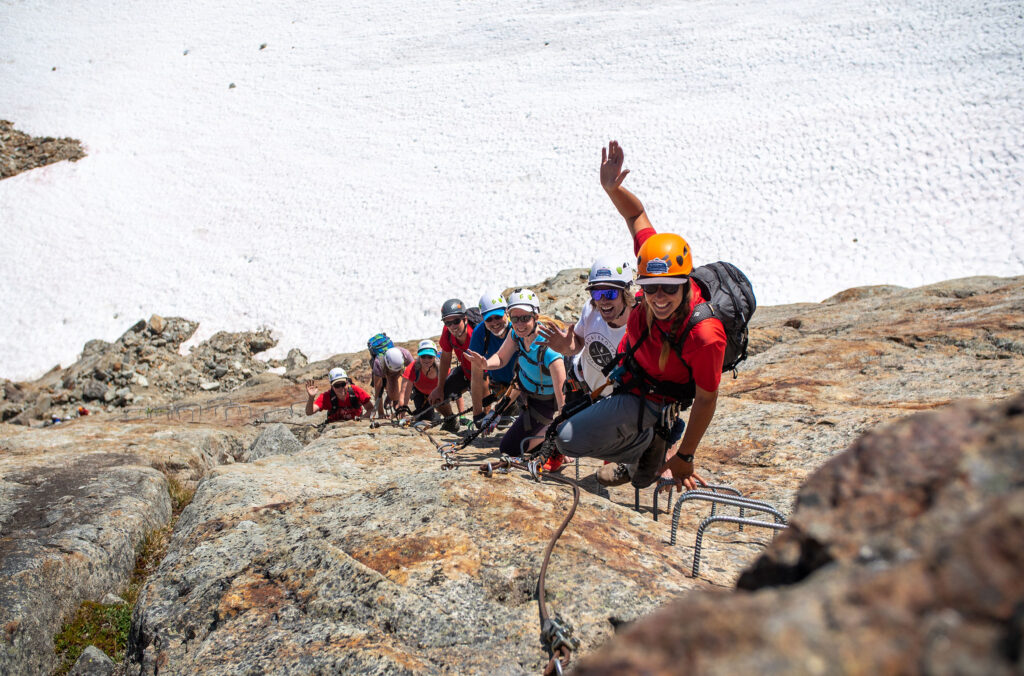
663 257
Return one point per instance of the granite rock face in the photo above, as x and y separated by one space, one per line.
359 554
70 533
76 501
903 556
276 439
92 662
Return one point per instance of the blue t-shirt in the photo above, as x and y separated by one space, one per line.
476 343
531 375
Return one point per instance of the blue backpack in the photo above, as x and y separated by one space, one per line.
378 345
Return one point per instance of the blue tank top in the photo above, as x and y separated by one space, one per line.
534 365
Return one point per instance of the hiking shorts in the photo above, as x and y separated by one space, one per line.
607 430
455 383
535 418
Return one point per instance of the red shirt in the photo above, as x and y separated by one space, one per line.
704 349
424 384
642 237
347 409
448 344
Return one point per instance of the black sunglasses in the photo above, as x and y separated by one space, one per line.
667 289
521 319
453 322
338 383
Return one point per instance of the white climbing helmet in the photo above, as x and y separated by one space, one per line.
426 347
610 271
492 303
337 373
524 298
394 360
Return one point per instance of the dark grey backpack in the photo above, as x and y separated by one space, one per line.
729 297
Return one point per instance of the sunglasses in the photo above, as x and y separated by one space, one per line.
521 319
453 322
496 319
667 289
604 294
338 385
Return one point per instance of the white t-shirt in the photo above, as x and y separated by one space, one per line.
600 343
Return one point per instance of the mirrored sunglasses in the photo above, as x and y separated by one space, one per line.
605 294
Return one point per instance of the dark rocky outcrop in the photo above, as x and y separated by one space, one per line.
904 556
143 367
20 152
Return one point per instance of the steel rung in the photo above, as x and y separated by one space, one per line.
698 543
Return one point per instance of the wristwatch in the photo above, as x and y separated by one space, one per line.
686 458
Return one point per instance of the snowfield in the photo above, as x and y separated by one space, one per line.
375 159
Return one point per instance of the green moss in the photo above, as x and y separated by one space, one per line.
105 627
180 495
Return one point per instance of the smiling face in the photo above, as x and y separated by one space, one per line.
610 309
523 322
664 299
457 326
496 324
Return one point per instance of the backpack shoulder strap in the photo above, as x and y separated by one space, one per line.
353 400
701 311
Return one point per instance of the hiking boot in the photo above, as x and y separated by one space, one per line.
650 463
613 474
450 425
465 422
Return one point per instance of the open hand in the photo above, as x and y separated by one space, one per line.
311 388
612 158
683 474
477 360
560 340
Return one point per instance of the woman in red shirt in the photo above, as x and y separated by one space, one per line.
420 378
664 372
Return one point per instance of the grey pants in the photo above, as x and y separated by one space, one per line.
608 429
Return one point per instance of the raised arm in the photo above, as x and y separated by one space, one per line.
627 204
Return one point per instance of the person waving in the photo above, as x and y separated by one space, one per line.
665 369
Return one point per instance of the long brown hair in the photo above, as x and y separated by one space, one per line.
679 316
